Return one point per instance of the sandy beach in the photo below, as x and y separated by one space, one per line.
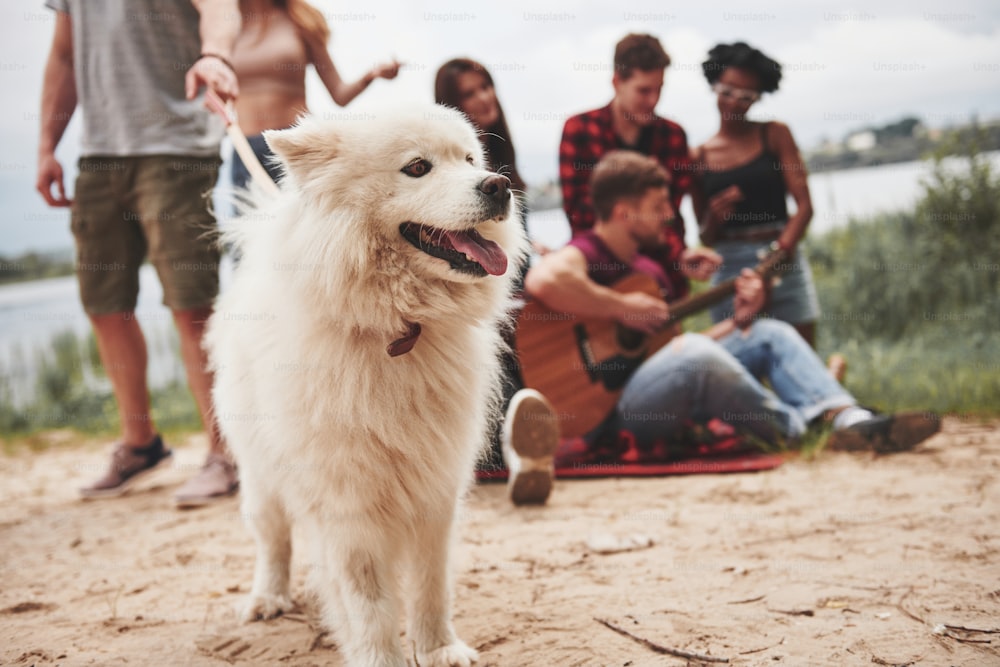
845 559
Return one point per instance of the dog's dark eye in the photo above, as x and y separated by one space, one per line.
470 159
417 168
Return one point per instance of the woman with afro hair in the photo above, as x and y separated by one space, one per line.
743 176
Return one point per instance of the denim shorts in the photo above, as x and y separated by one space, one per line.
793 299
126 209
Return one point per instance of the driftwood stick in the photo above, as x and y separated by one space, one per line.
794 612
657 647
964 629
949 635
747 601
899 606
764 648
968 641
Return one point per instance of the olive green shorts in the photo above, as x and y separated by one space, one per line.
128 208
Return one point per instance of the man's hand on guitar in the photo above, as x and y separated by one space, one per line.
700 263
750 297
643 312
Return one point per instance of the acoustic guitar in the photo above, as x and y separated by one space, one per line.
581 364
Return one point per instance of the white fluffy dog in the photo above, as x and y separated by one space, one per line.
356 368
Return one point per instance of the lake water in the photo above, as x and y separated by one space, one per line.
32 313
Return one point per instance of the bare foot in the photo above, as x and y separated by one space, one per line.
837 365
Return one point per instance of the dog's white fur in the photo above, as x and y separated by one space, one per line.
369 454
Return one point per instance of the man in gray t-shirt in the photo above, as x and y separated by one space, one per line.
148 159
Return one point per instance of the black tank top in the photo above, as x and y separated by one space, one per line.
763 186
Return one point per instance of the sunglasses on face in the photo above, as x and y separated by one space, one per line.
741 95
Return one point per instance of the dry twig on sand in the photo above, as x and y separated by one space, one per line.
658 648
748 600
965 629
794 612
763 648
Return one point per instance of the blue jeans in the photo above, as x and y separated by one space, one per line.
240 174
696 378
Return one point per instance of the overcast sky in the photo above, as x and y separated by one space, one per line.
845 67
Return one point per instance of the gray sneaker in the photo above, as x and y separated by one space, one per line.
886 434
128 465
216 481
530 439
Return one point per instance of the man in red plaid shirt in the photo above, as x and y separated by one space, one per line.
630 122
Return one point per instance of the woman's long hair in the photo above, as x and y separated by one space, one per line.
496 140
309 20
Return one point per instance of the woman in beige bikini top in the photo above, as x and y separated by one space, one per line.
279 40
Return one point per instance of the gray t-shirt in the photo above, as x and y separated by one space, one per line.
130 57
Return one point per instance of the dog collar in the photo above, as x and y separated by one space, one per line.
406 343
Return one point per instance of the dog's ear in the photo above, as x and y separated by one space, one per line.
303 147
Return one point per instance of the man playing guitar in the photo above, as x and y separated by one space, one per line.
694 377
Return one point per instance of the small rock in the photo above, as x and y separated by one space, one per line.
606 543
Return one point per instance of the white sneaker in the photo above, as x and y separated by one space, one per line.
530 439
217 480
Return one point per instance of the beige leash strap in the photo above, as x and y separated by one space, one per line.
240 143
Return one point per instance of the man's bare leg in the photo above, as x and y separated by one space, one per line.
191 326
122 347
218 478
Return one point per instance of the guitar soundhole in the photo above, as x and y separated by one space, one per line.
586 353
630 340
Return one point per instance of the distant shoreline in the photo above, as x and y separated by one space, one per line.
894 150
544 203
32 265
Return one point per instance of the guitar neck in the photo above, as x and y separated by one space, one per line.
681 309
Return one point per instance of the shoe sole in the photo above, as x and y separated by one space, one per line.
898 433
124 487
534 437
908 430
531 487
202 501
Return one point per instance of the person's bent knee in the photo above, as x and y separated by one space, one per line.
774 330
699 354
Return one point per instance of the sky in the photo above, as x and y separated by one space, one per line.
845 67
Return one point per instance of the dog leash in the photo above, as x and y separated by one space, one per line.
240 143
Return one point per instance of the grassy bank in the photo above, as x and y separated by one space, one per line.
912 299
71 391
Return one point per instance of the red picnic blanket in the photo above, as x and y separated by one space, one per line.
715 448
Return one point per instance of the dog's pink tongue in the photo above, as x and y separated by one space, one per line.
486 252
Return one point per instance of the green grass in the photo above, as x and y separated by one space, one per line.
943 371
912 299
72 392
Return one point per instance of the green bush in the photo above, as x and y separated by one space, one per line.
913 298
72 391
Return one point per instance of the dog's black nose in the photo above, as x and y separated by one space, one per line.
496 187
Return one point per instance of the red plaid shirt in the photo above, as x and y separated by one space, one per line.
586 138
